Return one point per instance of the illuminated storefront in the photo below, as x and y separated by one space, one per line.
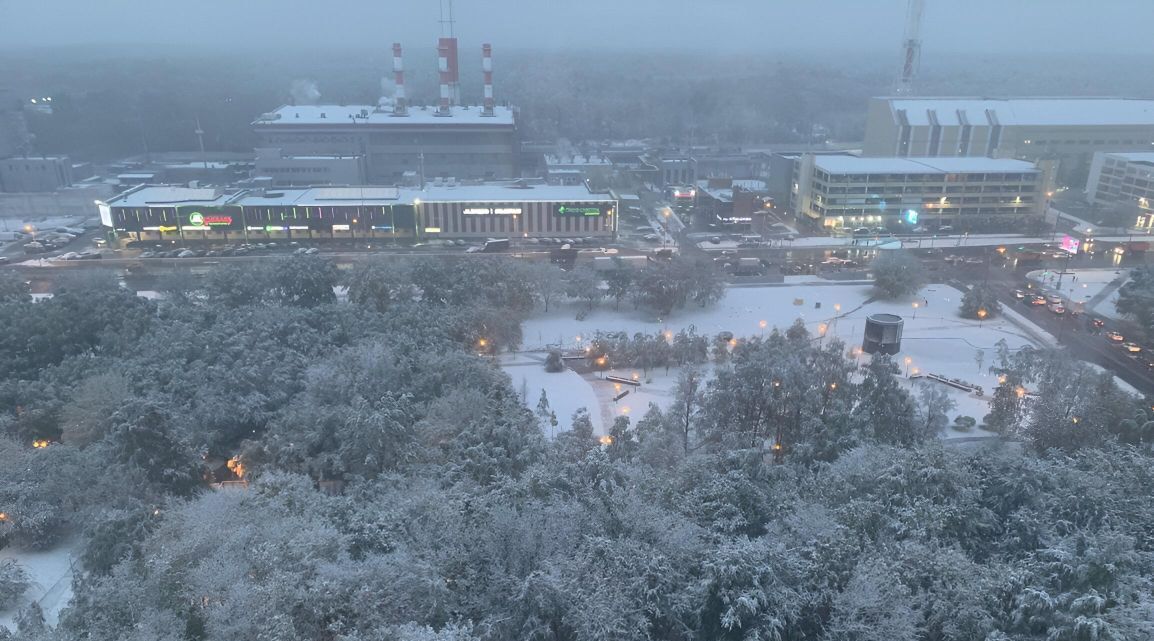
159 213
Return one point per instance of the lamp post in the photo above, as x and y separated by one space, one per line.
982 313
916 310
908 360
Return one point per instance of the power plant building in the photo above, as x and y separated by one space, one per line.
395 139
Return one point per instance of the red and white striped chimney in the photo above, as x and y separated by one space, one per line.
487 66
446 79
400 104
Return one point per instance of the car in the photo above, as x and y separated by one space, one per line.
1114 337
474 249
1056 308
728 252
1020 294
1053 299
1133 348
312 251
945 229
187 253
1097 323
973 260
1037 300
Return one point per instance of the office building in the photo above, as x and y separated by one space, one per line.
849 192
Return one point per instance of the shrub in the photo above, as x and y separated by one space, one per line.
964 423
553 362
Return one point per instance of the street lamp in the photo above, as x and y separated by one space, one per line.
982 313
916 310
908 360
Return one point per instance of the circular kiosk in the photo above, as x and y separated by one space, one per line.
883 333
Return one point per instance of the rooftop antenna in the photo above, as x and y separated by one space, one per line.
912 47
200 137
447 21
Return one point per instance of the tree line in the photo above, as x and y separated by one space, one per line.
798 492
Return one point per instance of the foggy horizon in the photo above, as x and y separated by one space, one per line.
725 26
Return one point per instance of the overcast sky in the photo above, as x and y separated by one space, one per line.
1105 26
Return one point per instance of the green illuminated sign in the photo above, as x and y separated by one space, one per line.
196 218
567 210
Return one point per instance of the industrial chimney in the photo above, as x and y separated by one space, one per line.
446 78
400 105
487 66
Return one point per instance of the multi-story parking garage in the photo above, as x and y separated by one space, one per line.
189 215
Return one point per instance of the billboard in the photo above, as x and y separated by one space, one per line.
210 218
581 210
1070 244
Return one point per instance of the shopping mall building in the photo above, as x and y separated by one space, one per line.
197 215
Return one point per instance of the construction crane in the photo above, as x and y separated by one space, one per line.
912 47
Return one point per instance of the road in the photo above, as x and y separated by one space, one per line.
1073 333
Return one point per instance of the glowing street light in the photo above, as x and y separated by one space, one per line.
762 324
908 360
982 313
915 304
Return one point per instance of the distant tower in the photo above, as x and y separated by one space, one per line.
912 48
447 53
487 67
400 103
446 82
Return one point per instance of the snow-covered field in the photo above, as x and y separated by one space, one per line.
51 573
935 340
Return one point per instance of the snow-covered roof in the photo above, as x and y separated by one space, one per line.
725 194
1142 157
508 193
576 159
377 196
949 112
168 196
345 114
975 165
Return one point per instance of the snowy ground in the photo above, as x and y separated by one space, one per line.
51 573
1093 289
935 340
566 391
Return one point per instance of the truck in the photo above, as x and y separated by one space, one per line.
747 267
494 245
